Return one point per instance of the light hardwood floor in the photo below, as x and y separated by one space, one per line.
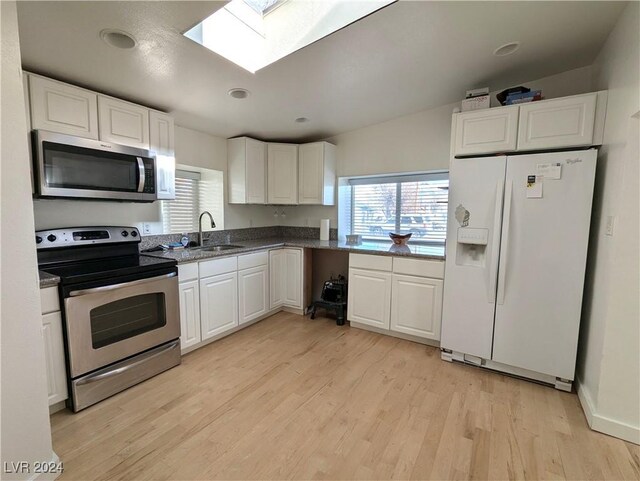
295 398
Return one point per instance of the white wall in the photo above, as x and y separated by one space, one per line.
26 434
609 356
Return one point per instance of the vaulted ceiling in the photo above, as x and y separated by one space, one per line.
407 57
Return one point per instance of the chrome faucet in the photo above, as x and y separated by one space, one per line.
213 226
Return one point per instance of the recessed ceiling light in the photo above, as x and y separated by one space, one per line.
239 93
506 49
118 38
302 120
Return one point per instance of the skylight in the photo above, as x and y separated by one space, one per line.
257 33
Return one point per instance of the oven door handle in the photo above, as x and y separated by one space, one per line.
108 372
93 290
141 174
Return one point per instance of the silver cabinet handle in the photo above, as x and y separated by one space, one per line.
106 373
82 292
141 174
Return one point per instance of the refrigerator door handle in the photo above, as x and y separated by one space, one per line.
495 244
504 248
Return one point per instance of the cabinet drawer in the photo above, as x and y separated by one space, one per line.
365 261
218 266
49 299
253 260
418 267
187 272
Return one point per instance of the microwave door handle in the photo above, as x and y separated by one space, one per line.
141 174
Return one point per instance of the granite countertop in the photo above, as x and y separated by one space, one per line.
377 248
48 280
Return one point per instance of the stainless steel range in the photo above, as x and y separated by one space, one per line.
120 309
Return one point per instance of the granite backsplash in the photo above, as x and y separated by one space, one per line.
238 235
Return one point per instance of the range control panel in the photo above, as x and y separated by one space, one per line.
78 236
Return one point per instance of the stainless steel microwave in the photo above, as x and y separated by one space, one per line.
74 167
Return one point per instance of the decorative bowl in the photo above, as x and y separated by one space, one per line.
400 239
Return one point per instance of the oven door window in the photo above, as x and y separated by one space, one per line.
127 318
70 167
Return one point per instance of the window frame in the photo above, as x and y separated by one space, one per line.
397 179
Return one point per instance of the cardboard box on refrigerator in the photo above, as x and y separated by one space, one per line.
476 103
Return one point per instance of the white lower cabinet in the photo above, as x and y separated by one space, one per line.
54 357
276 276
286 278
189 314
253 289
218 304
293 278
53 345
398 294
369 297
416 306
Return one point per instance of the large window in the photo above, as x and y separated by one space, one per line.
196 191
403 203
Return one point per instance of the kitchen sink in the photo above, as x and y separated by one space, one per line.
217 248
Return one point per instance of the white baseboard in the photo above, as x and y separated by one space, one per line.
603 424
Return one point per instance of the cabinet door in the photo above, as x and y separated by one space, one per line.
282 173
310 177
189 314
63 108
161 141
369 298
54 357
256 173
416 306
552 124
218 304
293 278
253 287
161 133
276 278
123 123
486 131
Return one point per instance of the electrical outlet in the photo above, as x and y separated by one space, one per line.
610 223
146 228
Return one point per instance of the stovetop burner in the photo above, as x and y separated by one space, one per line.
81 254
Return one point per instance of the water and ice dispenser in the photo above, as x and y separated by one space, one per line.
472 246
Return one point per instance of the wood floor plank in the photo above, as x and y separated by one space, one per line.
291 398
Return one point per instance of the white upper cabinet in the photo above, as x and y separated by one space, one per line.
247 171
575 121
161 141
123 122
485 131
161 133
63 108
557 123
317 173
282 174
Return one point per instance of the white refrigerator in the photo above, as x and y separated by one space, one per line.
517 237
